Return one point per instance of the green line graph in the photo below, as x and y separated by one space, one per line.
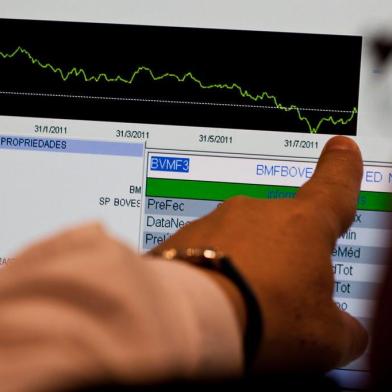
104 77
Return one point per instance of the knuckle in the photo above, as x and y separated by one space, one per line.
237 201
299 214
236 206
333 214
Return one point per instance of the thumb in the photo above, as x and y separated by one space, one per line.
334 187
355 338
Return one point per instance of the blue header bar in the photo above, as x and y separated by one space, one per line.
75 146
169 164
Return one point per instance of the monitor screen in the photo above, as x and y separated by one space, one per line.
145 115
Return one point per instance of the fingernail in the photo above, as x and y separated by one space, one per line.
341 143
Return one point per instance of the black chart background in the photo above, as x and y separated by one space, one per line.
307 70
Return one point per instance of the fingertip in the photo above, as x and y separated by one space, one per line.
341 143
335 184
342 154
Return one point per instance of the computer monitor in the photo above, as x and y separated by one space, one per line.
145 115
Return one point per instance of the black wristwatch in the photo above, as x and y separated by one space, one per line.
217 261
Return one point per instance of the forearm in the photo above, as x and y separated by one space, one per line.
82 307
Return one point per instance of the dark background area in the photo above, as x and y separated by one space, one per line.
305 70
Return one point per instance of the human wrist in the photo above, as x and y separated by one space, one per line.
206 319
232 294
234 286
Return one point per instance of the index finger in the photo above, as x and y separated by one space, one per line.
335 184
